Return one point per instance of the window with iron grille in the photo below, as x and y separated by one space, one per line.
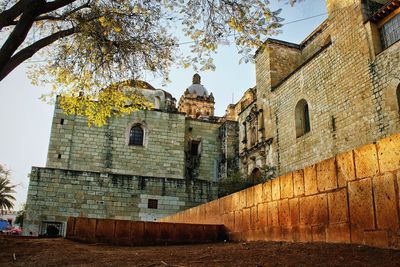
390 32
136 136
51 229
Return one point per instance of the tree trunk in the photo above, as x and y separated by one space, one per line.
27 11
29 51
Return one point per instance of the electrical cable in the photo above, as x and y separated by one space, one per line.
230 35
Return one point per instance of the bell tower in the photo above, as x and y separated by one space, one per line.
195 101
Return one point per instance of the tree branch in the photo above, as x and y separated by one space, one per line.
56 18
8 16
65 15
19 33
51 6
30 50
28 11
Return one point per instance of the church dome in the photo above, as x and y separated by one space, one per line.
199 89
197 86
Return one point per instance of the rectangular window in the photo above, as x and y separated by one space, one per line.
390 32
152 204
307 127
51 229
194 148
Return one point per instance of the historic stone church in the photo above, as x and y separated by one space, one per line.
141 166
336 90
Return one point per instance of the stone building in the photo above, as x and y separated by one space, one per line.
336 90
141 166
196 102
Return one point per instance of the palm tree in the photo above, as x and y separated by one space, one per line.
6 191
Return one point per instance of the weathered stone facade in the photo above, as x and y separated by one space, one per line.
74 145
103 173
350 198
56 194
229 163
337 90
331 93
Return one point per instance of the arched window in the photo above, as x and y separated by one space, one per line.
302 117
398 97
136 136
157 102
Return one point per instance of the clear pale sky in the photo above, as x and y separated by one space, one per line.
25 120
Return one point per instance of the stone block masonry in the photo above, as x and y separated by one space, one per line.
207 133
131 233
75 145
350 198
56 194
350 86
140 166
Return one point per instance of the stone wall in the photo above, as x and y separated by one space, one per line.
75 145
94 172
56 194
349 87
350 198
282 64
229 163
210 147
387 116
131 233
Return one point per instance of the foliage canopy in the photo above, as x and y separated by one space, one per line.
94 44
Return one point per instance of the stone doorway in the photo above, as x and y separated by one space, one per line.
255 175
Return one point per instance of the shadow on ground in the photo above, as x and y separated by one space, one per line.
61 252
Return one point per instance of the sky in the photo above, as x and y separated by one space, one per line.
25 121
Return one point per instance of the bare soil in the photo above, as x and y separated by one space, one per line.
16 251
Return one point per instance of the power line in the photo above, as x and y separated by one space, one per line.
230 35
283 24
299 20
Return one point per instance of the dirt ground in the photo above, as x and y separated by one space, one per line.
61 252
